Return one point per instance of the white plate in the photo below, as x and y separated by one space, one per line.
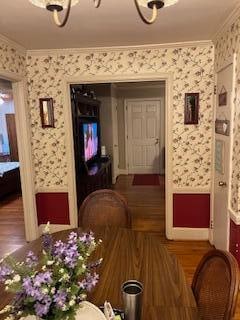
86 311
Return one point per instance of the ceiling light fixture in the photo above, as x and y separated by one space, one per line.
56 6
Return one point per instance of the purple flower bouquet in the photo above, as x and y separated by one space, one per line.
54 286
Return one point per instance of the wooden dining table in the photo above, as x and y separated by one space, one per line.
129 255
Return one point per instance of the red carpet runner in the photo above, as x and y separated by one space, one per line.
146 180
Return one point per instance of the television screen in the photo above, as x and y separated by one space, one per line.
90 132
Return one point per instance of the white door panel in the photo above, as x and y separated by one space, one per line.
143 122
222 177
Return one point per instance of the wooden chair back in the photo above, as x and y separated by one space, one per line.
104 208
215 285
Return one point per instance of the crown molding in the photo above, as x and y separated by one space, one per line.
13 44
188 44
232 17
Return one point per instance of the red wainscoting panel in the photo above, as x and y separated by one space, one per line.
52 207
191 210
234 243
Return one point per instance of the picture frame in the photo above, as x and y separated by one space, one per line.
222 127
47 112
191 109
222 97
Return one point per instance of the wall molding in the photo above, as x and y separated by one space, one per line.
43 52
190 234
234 216
190 190
51 190
227 23
13 44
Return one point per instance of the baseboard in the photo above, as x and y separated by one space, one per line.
54 228
123 171
190 234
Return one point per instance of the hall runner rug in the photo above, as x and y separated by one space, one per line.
146 180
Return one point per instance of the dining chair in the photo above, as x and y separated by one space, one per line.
104 208
215 285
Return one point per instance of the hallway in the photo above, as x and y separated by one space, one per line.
147 204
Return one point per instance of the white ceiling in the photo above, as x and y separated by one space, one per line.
115 23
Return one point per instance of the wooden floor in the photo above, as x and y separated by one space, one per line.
12 234
147 205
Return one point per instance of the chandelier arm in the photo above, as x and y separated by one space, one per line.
97 3
56 16
146 20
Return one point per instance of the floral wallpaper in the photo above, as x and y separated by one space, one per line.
192 70
227 44
11 59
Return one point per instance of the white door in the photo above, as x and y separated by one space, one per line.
115 151
222 162
143 136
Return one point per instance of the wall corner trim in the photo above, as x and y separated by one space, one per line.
234 216
227 23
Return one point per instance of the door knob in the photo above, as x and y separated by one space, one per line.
222 184
157 141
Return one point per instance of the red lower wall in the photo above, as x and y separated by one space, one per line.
52 207
234 243
191 210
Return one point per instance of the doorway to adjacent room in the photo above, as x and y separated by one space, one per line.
132 133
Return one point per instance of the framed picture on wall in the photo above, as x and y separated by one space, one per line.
222 127
47 112
222 97
191 109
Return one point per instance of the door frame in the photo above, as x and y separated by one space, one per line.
228 61
94 79
115 169
23 126
126 126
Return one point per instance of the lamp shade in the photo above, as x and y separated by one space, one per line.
45 3
167 3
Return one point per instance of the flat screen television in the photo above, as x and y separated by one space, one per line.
91 140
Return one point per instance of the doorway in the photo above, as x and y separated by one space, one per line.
22 122
132 118
119 104
11 203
